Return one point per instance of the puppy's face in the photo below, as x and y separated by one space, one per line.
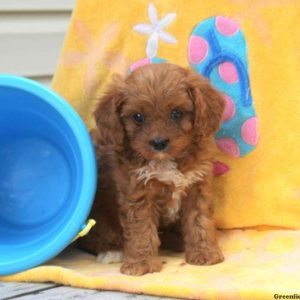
162 110
157 116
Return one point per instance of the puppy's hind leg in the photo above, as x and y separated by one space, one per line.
104 237
100 239
110 257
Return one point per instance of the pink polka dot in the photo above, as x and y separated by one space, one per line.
228 72
142 62
249 131
198 49
229 146
227 26
229 111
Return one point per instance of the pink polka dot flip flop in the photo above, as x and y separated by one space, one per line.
217 50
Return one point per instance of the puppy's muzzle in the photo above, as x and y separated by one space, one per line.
159 144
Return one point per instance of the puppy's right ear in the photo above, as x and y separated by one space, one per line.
107 113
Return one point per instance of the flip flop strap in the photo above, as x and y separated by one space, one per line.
220 56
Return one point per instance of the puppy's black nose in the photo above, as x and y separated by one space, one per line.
159 144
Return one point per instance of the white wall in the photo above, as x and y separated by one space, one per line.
31 36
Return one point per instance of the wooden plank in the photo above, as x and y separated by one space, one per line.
68 293
13 289
59 293
34 22
34 291
30 54
36 5
105 295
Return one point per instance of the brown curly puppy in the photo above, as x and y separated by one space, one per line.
154 143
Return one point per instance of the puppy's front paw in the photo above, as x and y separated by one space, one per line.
204 256
149 265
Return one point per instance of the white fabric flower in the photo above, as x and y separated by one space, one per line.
155 30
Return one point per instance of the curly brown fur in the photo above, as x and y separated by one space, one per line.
144 191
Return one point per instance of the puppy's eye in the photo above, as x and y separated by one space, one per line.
138 118
176 114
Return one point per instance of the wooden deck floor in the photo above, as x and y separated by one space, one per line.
49 291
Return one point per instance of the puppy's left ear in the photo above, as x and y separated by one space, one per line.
209 104
107 114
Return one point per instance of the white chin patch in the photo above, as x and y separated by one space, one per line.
110 257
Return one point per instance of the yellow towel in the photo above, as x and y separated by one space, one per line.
262 188
258 265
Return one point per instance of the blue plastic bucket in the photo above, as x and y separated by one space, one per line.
47 174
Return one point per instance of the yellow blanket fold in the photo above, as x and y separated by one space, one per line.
258 265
